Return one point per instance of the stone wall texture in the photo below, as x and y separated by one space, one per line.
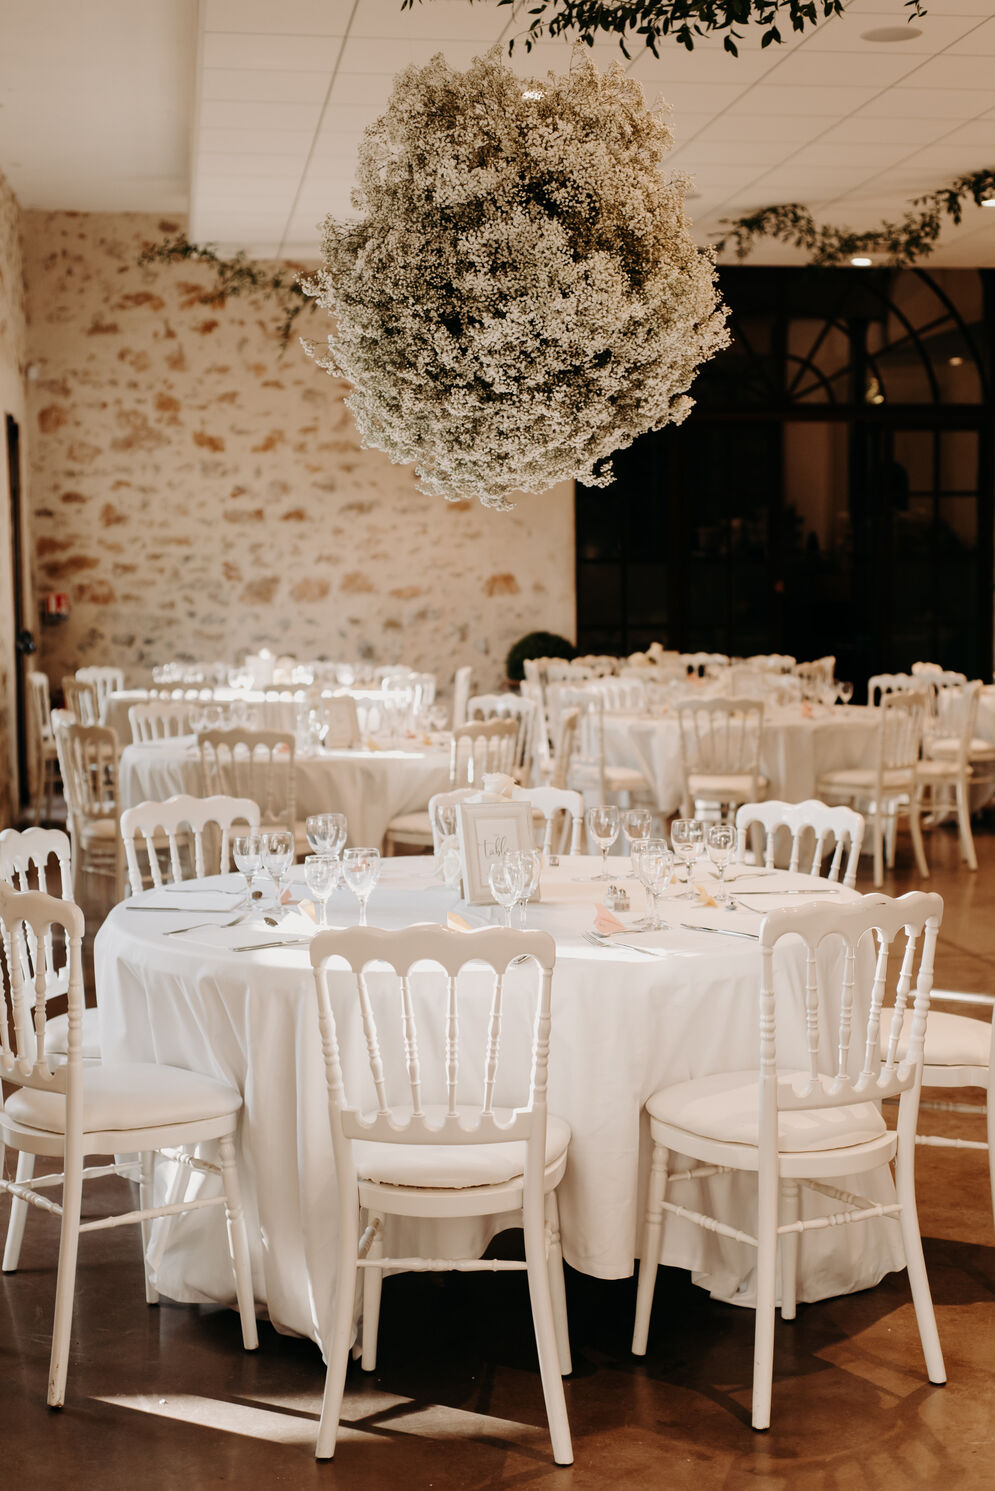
13 362
200 493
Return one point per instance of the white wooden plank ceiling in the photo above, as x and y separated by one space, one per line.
249 112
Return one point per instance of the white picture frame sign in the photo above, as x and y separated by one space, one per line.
486 831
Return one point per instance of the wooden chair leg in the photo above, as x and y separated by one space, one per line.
65 1284
533 1217
557 1292
372 1287
790 1198
18 1215
649 1252
338 1352
238 1242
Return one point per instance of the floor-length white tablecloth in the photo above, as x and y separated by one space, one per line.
624 1024
796 749
370 786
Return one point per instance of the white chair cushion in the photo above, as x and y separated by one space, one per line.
411 823
624 779
731 784
453 1167
99 828
862 778
979 750
129 1095
951 1040
940 771
57 1035
724 1107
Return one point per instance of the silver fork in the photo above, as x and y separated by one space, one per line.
597 940
175 931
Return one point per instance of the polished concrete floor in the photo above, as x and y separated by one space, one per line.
165 1398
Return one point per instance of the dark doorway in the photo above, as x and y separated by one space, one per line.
23 640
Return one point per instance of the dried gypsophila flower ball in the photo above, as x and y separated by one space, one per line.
522 295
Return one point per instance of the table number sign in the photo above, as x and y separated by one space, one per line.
486 831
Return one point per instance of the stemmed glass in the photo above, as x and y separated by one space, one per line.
326 832
637 825
721 843
602 827
687 836
277 856
530 861
506 878
844 692
445 818
321 872
246 851
361 871
655 868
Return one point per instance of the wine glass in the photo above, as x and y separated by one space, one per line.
530 861
445 819
687 836
637 824
326 832
321 873
721 843
506 877
360 872
845 692
655 868
277 856
246 851
602 827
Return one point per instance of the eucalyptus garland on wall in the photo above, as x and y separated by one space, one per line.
522 295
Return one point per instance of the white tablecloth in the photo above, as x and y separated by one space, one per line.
795 749
370 787
623 1025
269 711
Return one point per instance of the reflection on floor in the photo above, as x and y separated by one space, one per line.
165 1398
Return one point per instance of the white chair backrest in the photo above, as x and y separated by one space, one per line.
106 681
820 672
566 737
481 747
88 757
462 683
626 694
859 1060
81 701
702 662
936 674
772 662
552 802
338 717
542 758
880 684
956 709
41 706
556 670
596 664
36 931
721 737
160 719
180 818
825 828
253 764
25 857
400 1066
903 716
508 707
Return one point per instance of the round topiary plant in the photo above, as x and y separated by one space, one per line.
536 644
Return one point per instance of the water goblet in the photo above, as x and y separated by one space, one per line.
277 856
687 835
505 877
655 867
844 692
720 845
530 861
246 851
602 827
360 872
321 874
637 824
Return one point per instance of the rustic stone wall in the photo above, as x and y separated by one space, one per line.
199 494
13 361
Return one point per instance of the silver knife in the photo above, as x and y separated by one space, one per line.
822 890
719 931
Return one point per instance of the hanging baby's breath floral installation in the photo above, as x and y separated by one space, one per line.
521 295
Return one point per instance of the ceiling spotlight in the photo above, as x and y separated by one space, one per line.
892 33
955 362
859 261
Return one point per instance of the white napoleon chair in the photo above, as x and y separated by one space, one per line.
720 753
703 662
624 694
558 670
160 719
589 770
936 674
772 662
89 760
562 814
819 673
478 749
596 664
881 684
515 707
45 752
944 775
428 1125
105 681
65 1110
800 1126
81 701
890 786
824 828
258 765
170 826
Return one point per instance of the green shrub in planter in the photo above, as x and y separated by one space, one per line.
536 644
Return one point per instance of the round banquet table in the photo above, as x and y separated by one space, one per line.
273 709
623 1024
796 749
370 786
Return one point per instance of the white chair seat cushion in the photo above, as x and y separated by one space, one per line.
624 779
99 828
411 823
129 1095
57 1035
453 1167
951 1040
724 1107
733 784
866 779
940 771
979 750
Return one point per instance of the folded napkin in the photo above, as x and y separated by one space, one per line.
308 908
705 897
606 923
456 923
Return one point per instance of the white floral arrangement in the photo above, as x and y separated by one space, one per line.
522 295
